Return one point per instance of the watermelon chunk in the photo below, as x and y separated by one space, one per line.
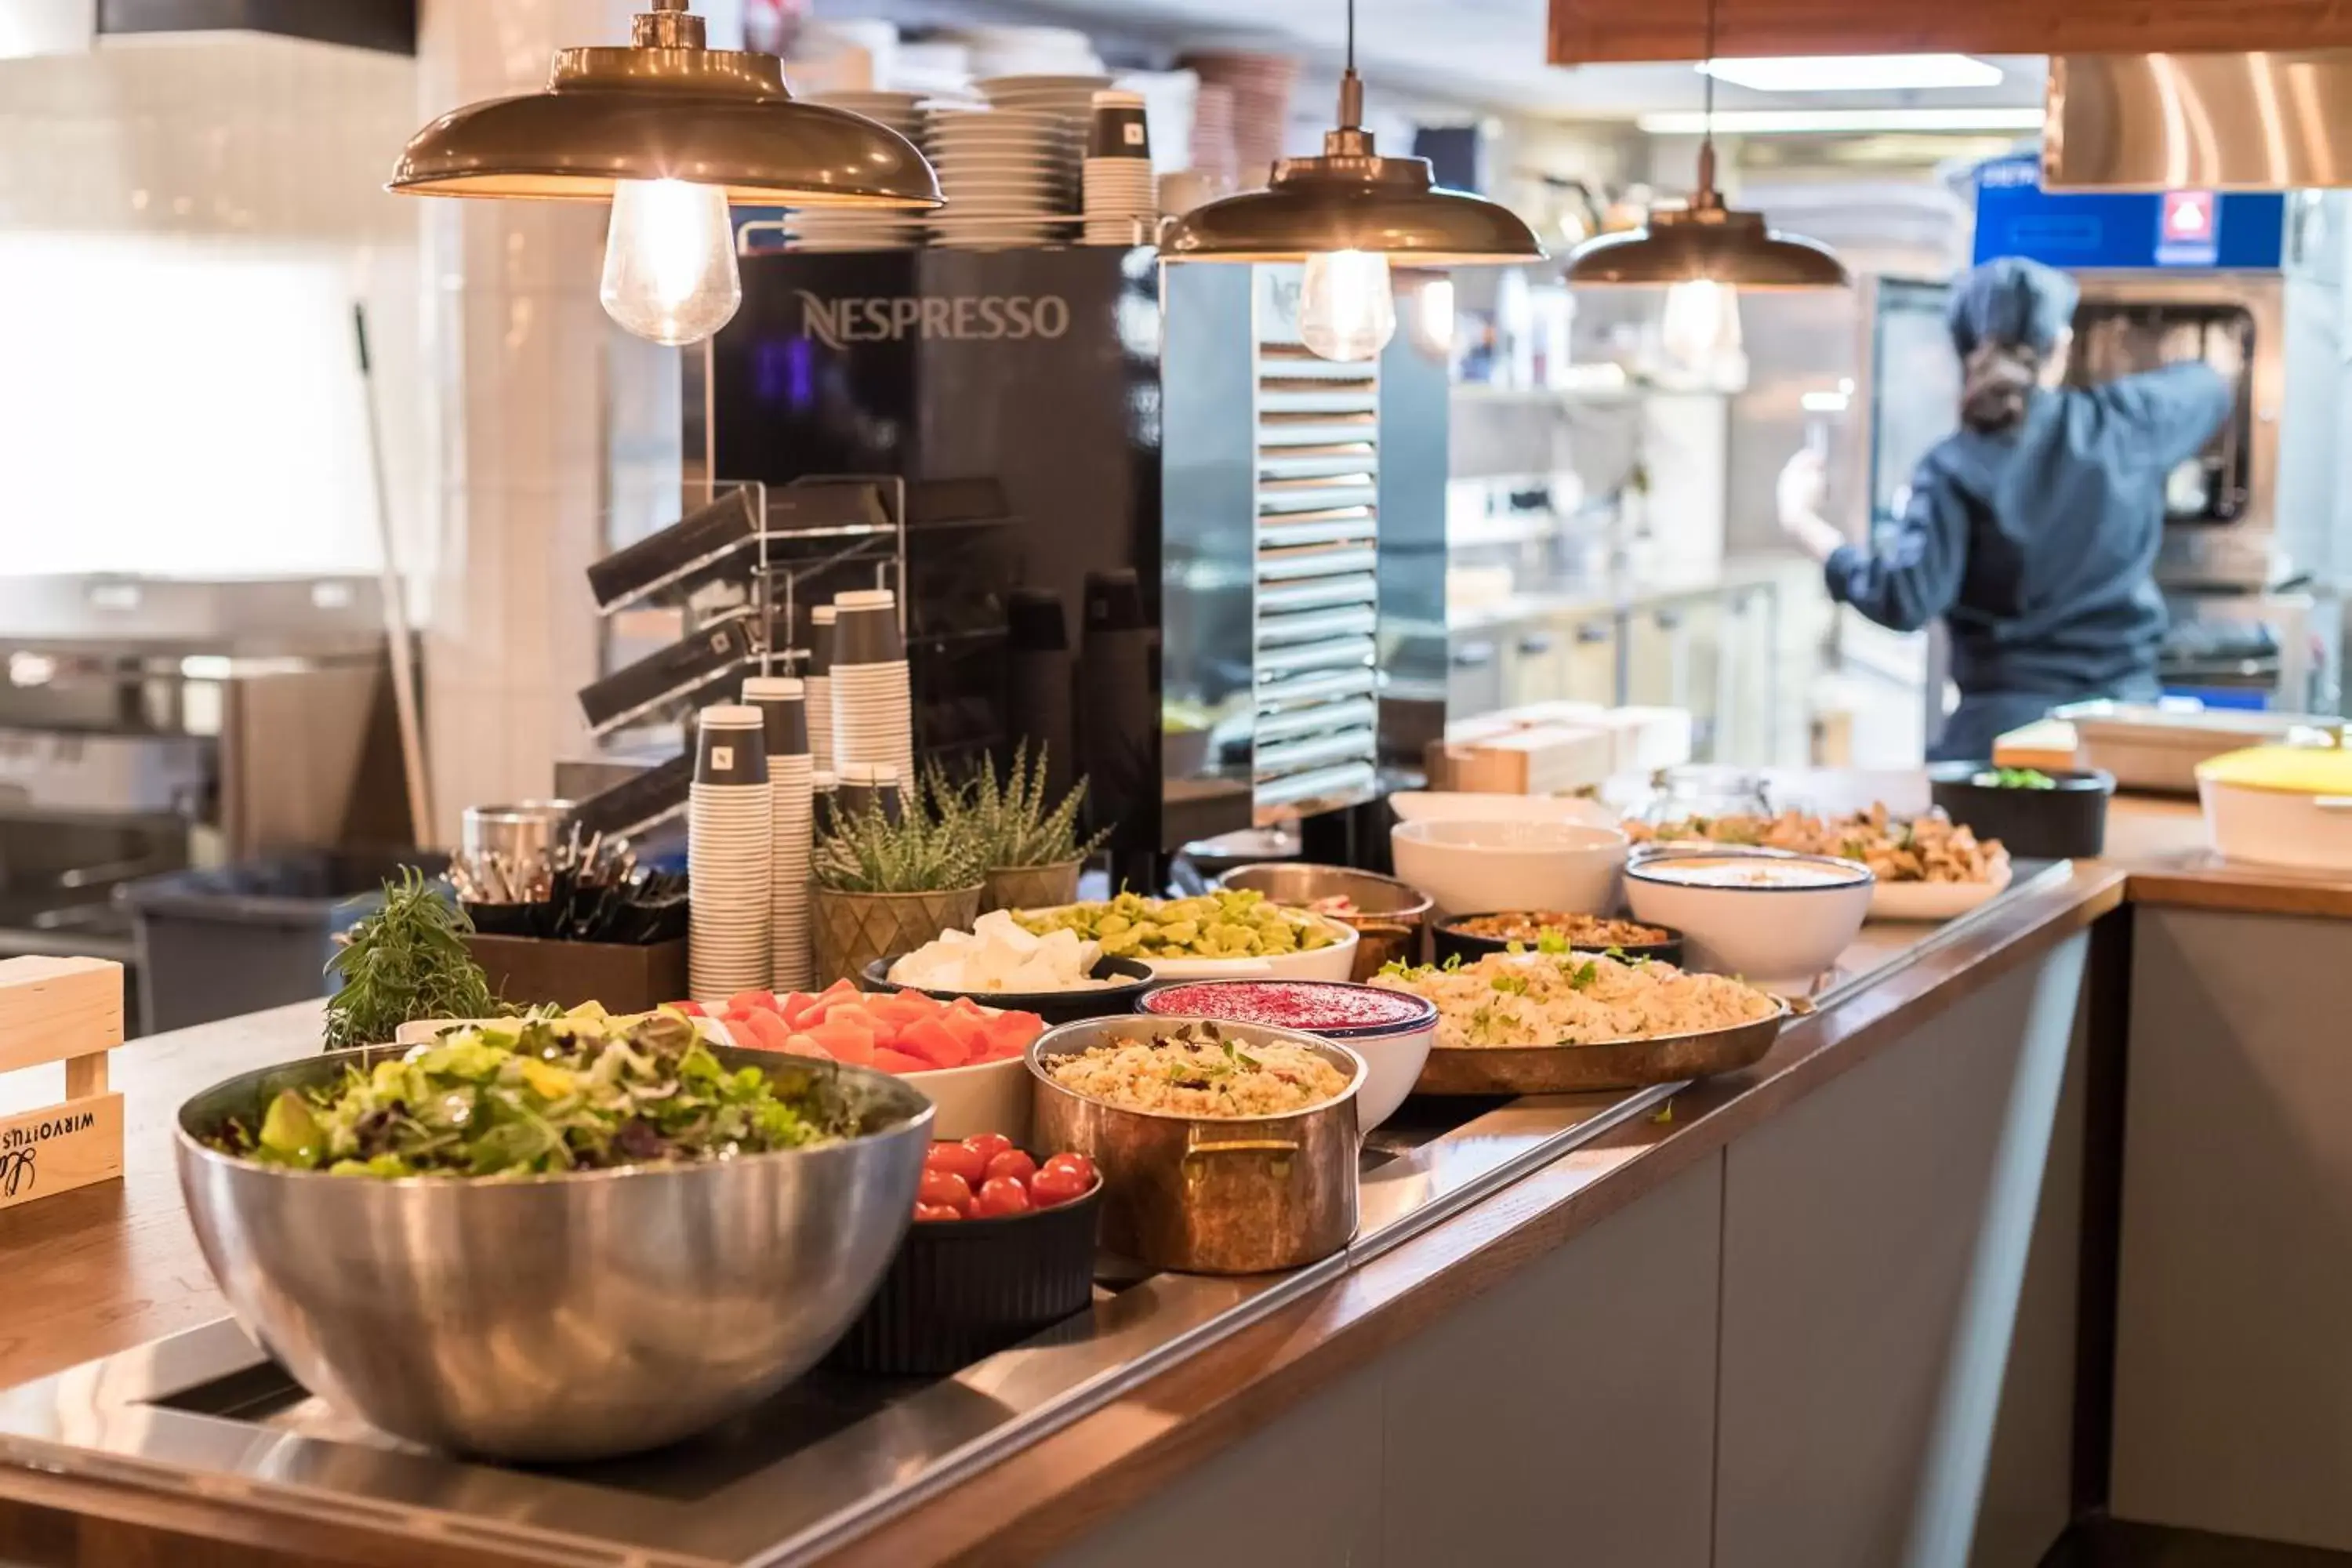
763 1000
971 1030
762 1030
802 1046
844 1041
898 1062
930 1040
1009 1034
691 1009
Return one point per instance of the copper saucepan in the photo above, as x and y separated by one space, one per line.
1208 1194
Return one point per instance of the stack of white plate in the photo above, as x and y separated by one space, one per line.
1122 200
1213 135
1010 175
817 686
996 51
854 228
729 855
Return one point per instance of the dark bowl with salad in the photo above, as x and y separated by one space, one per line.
2038 815
1472 936
551 1239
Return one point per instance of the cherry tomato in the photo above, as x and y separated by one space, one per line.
954 1157
1058 1184
935 1211
1000 1195
944 1189
988 1145
1069 1160
1013 1162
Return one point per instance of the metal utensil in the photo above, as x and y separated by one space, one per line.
513 849
1209 1194
561 1317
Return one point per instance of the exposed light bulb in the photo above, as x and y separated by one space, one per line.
1346 308
1433 316
670 261
1701 322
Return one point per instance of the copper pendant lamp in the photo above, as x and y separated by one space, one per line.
1347 214
669 130
1707 242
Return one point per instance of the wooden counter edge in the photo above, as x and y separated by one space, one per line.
1048 1494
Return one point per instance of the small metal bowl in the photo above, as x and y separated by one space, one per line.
1391 917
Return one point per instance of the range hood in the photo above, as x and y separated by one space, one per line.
73 26
2269 121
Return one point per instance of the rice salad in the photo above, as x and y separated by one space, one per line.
1200 1071
1574 999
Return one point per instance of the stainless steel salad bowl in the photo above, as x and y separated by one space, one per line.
557 1316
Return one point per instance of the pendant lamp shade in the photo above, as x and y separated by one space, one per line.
1710 243
1351 198
666 108
1707 242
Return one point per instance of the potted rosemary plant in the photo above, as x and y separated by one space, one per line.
884 887
1034 853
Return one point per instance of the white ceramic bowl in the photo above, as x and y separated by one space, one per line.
1781 935
1394 1054
1461 806
1337 961
1469 866
984 1098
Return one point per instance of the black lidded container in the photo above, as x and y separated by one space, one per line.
2064 823
1448 939
962 1289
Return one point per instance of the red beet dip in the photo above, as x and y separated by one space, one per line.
1318 1006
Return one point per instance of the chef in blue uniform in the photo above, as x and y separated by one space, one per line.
2032 530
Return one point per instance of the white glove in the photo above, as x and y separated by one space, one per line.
1803 485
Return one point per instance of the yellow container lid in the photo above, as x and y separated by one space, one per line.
2290 769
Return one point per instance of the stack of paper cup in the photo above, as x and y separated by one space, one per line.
872 705
824 797
779 700
864 786
1122 199
818 686
729 855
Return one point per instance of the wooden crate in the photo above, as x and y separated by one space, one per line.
69 1010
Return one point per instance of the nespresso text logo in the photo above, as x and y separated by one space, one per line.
889 318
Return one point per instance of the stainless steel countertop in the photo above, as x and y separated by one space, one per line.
1570 598
203 1413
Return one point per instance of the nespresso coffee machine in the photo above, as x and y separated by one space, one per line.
1132 518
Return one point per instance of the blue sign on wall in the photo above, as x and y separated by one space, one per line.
2085 231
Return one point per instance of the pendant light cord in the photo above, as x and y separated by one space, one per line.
1705 195
1352 35
1351 90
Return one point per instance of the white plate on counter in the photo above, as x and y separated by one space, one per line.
1936 900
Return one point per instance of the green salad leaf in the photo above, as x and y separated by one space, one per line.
529 1095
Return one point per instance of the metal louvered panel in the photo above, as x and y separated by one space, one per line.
1346 713
1295 692
1313 626
1279 596
1317 608
1280 566
1275 758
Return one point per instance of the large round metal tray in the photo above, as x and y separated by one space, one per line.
1615 1064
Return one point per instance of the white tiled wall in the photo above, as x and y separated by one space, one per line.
185 227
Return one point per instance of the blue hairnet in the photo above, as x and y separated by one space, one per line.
2009 299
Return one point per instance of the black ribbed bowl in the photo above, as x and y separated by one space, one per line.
1134 978
961 1289
2066 820
1449 939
